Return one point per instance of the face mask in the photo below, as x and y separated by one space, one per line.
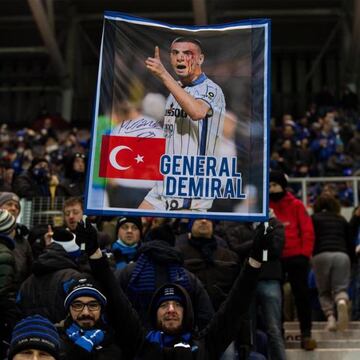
277 196
40 173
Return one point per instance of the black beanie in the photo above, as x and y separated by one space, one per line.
279 177
35 332
125 219
36 161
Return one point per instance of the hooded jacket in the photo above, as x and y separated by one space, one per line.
208 344
299 230
44 291
164 257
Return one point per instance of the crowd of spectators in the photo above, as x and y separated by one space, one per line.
126 287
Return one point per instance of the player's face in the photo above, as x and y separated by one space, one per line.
186 59
170 316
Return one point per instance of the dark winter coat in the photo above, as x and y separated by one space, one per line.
26 186
210 343
217 276
23 254
44 291
332 233
9 313
240 238
162 255
7 267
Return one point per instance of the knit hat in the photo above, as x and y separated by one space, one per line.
191 223
164 232
126 219
83 287
7 196
36 161
35 332
66 239
7 222
279 177
169 292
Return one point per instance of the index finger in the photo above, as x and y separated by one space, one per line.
157 53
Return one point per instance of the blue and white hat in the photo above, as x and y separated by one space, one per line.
83 287
168 293
35 332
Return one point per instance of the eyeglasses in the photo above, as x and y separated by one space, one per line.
91 305
80 155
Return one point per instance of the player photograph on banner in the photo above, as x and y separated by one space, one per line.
181 120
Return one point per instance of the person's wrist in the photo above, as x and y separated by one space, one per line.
96 255
254 263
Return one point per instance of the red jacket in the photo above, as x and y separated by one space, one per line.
299 230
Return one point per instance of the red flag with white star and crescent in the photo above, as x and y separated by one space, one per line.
125 157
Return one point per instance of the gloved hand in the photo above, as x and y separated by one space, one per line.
261 242
87 234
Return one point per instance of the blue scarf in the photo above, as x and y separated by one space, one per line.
158 337
86 339
128 251
143 276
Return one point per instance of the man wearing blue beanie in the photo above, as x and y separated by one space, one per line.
34 337
85 333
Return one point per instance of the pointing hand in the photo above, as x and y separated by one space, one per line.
155 65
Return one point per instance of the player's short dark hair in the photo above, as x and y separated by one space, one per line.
188 39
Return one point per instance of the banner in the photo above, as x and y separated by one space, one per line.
181 120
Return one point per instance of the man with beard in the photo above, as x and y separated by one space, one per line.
173 335
84 332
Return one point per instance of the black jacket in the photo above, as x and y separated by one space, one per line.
332 233
210 342
218 275
240 239
44 291
23 254
26 186
162 255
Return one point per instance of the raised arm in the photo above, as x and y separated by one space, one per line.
197 109
130 334
225 325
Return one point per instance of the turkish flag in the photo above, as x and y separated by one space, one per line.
125 157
